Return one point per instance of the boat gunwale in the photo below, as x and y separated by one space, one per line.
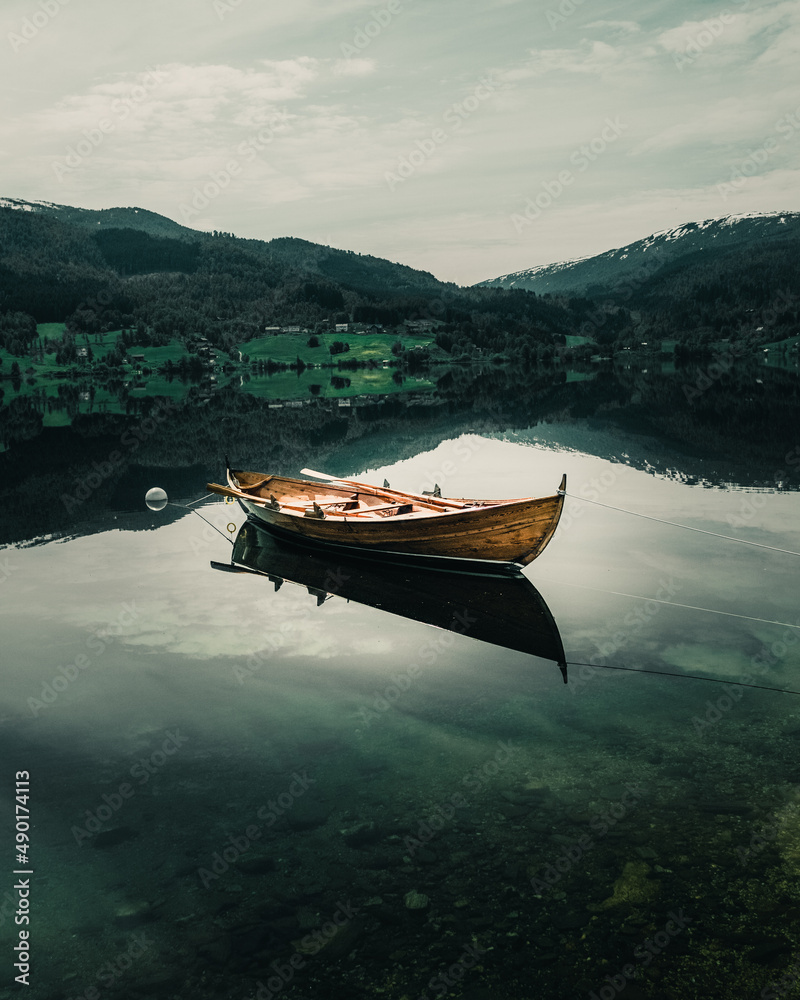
472 507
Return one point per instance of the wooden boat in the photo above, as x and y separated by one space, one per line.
481 535
504 611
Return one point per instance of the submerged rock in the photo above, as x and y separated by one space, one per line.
257 866
133 914
118 835
361 834
633 886
416 900
331 941
307 814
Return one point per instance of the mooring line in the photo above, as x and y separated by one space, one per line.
688 527
674 604
690 677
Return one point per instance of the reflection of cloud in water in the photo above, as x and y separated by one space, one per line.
731 663
217 630
200 614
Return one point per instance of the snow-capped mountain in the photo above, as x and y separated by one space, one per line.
635 263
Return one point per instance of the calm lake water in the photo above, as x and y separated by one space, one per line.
243 791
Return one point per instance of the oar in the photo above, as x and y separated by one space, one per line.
225 491
421 498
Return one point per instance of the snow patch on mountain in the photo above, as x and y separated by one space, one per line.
26 206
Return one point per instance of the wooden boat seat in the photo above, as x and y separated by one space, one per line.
403 508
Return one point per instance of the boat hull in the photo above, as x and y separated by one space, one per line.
491 533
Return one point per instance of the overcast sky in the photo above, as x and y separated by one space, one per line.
466 137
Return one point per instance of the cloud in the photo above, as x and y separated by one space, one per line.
718 123
354 67
618 28
592 57
765 36
177 100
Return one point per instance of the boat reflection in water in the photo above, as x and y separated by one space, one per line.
505 611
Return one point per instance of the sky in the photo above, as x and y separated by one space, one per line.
469 139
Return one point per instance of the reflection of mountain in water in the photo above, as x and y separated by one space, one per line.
507 611
737 431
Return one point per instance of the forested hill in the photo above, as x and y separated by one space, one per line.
734 279
131 268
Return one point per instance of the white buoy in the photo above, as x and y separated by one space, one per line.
156 499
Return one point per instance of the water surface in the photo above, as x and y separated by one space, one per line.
239 791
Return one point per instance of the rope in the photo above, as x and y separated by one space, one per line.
193 510
199 499
704 531
691 677
690 607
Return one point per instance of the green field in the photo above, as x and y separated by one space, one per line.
779 345
50 331
575 340
286 348
288 385
154 357
47 367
